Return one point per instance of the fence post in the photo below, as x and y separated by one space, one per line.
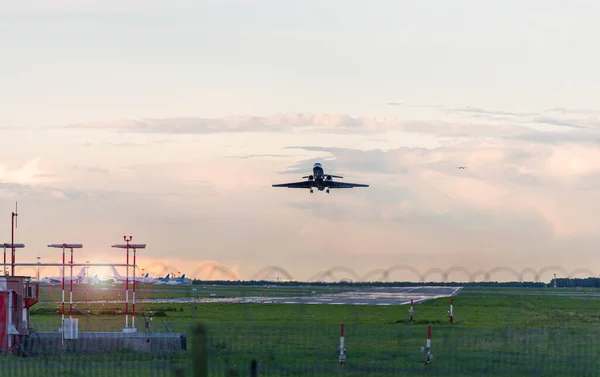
253 369
200 351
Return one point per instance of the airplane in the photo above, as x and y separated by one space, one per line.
138 279
320 180
178 281
79 278
461 167
167 280
164 280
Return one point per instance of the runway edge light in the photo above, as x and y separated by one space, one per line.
427 348
342 349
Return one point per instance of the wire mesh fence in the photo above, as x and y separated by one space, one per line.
310 350
294 329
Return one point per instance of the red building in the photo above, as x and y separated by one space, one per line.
17 296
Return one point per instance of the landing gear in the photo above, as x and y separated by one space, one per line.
327 191
311 191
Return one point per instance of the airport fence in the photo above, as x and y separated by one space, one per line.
293 329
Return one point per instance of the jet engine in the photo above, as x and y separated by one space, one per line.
310 177
329 178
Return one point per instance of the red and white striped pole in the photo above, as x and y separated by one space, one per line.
342 349
63 297
133 303
411 310
71 288
127 286
451 312
427 349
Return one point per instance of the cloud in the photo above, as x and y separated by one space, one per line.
549 117
274 123
574 111
503 180
246 156
479 123
91 169
126 144
325 123
30 173
491 112
402 104
558 122
579 136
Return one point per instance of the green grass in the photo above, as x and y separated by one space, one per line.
497 332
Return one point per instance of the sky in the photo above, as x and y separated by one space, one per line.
170 120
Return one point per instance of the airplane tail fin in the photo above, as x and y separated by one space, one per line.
81 273
115 272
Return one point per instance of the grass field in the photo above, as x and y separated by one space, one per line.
496 332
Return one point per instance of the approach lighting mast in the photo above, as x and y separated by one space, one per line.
128 246
64 246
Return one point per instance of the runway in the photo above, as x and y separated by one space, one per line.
375 296
367 296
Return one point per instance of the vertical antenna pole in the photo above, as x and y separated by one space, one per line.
13 226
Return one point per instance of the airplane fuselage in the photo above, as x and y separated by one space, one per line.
319 179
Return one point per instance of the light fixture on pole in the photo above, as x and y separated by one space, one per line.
38 269
64 246
128 246
12 247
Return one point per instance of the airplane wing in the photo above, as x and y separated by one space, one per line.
339 185
304 185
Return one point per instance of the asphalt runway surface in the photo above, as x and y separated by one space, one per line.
367 296
375 296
